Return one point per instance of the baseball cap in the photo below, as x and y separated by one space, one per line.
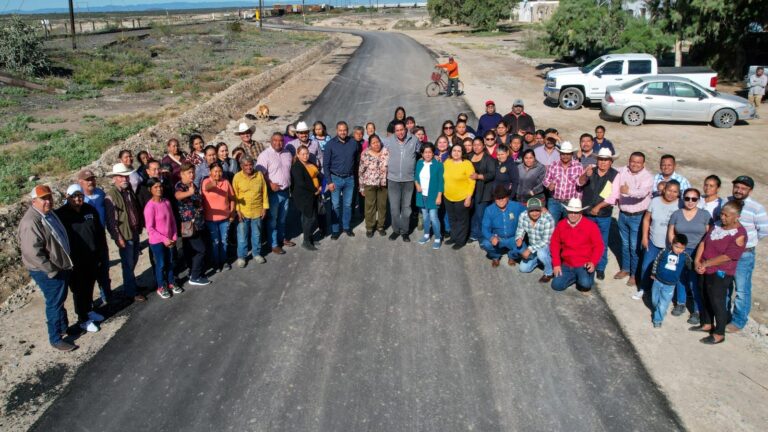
518 102
74 189
85 174
490 102
534 204
40 191
745 180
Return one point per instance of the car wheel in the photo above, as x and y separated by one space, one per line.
724 118
571 98
633 116
433 89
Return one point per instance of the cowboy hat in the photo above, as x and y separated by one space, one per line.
606 153
302 127
574 205
566 147
243 128
120 169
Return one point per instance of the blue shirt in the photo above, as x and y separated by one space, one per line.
339 157
502 223
97 201
606 144
487 122
668 266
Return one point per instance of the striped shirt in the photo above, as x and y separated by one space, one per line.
755 220
565 179
658 178
539 234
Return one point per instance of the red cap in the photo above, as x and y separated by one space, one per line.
490 102
40 191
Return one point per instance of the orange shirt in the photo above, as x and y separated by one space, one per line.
217 200
451 68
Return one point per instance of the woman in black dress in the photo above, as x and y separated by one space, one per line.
305 184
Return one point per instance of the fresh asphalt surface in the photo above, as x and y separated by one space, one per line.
368 335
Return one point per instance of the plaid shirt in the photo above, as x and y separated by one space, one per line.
254 150
565 179
658 178
540 234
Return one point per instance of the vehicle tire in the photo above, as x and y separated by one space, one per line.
725 118
571 98
433 89
633 116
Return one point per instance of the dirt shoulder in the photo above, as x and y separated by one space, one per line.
712 388
31 373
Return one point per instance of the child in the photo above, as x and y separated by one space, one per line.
666 271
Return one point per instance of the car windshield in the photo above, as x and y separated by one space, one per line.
595 63
630 84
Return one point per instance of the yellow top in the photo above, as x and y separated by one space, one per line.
313 171
458 186
250 194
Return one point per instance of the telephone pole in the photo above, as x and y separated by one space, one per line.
72 24
261 14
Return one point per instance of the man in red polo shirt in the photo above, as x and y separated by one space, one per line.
576 247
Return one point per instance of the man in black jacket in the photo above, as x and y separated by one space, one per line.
597 183
518 121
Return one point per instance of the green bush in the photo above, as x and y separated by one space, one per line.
15 128
137 85
13 91
97 73
78 92
4 103
21 50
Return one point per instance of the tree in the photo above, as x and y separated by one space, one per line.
21 50
482 14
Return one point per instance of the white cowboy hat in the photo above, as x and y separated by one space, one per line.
302 127
566 147
606 153
243 128
120 169
574 205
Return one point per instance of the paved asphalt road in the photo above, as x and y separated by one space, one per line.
368 335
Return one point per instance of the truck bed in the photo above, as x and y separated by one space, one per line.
684 70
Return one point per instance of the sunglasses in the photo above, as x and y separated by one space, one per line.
448 127
490 139
691 199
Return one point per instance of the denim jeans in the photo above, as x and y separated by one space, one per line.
400 195
163 264
556 209
504 246
661 297
689 282
278 210
453 86
245 229
105 284
578 275
444 216
55 293
341 199
604 224
740 306
218 231
543 256
431 222
629 230
476 227
129 256
649 255
194 254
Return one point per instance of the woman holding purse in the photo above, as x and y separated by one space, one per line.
190 210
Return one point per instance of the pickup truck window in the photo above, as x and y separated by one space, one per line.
686 91
654 89
639 67
612 68
592 65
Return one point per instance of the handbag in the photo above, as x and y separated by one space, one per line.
188 228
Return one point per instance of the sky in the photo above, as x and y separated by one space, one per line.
28 5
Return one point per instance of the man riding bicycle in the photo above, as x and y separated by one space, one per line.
452 68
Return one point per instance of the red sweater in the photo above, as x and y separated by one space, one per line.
576 246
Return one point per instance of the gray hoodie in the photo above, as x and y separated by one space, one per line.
402 157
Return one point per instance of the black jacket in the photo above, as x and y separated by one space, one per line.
515 123
484 188
87 239
303 189
507 175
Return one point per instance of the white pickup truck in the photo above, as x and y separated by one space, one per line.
571 87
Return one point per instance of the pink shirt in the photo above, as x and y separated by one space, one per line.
276 167
640 188
158 218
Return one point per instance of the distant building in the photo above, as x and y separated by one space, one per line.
639 8
534 11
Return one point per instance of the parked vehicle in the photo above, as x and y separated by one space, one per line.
668 97
572 87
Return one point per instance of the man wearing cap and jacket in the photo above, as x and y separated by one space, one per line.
597 185
489 120
452 68
499 227
575 247
755 220
518 121
45 254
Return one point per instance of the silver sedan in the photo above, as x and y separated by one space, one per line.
667 97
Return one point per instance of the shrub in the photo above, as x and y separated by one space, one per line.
21 50
94 72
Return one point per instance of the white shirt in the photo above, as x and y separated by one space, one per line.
424 178
757 84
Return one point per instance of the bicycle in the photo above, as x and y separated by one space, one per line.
439 84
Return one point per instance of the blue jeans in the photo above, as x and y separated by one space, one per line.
431 222
740 306
543 256
504 246
129 256
573 275
444 217
55 293
689 282
476 227
341 200
453 86
649 255
661 297
248 228
629 229
163 264
604 224
105 284
556 209
218 231
278 210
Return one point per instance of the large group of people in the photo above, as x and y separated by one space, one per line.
542 201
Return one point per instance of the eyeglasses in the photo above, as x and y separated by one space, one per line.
447 127
490 139
691 199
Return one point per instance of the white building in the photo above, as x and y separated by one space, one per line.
540 10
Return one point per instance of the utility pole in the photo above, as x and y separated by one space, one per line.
72 24
261 14
303 12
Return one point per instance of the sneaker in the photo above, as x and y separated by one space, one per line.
678 310
64 346
96 317
436 244
201 281
176 289
350 233
163 293
259 259
657 325
600 275
694 319
471 240
308 246
394 235
631 281
89 326
638 295
369 234
406 238
227 266
424 240
240 262
382 232
456 246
